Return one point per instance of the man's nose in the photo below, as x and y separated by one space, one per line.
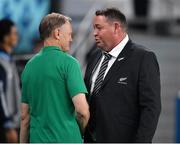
95 32
71 39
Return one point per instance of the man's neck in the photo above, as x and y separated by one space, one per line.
121 38
117 40
50 42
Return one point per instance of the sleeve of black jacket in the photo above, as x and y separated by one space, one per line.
149 97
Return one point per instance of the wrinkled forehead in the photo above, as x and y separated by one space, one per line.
67 27
70 26
100 20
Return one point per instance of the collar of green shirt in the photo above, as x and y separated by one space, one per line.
49 48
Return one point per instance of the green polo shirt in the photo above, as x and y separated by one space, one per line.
49 81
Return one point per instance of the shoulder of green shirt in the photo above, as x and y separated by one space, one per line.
71 59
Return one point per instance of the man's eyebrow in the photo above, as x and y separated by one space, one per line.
97 25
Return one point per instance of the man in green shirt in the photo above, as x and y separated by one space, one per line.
53 90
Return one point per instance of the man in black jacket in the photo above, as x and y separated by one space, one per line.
123 80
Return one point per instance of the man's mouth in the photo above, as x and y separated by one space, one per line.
97 41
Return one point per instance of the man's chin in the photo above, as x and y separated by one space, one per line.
99 45
102 48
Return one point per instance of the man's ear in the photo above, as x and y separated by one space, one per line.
116 27
57 33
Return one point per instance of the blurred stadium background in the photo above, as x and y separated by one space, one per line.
153 23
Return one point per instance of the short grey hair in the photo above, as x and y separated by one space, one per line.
51 22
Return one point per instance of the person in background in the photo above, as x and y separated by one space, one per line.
9 83
53 90
123 80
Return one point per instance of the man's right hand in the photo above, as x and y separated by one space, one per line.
82 110
11 136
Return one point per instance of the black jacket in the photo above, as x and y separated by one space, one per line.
128 106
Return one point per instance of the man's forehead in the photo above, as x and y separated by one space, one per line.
99 19
13 29
67 25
